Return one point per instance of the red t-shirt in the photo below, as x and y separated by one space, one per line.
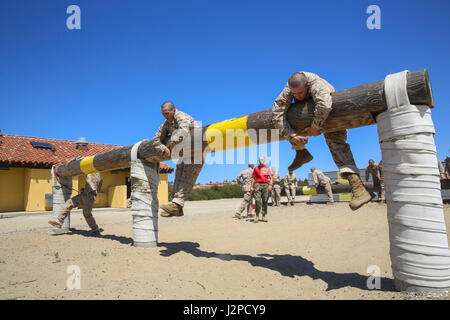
261 173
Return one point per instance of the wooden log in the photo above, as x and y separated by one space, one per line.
336 188
352 108
346 188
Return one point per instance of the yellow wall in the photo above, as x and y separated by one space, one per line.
38 182
163 189
109 180
117 196
24 189
12 189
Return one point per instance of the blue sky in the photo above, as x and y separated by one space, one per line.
215 60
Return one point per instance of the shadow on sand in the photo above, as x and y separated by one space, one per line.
287 265
88 233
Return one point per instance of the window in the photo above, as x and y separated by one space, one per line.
42 145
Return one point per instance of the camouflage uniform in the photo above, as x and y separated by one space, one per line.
322 180
86 200
447 167
382 185
186 173
442 173
290 185
320 91
244 179
276 189
375 172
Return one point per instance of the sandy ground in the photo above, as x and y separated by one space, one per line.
303 252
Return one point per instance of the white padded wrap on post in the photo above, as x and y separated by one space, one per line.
60 196
418 238
144 200
395 90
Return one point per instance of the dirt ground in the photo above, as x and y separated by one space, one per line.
303 252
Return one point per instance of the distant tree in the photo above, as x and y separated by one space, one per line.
303 182
213 193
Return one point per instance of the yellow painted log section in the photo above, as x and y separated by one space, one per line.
228 134
87 165
309 190
344 196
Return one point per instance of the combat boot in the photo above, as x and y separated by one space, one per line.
237 215
360 195
264 218
56 223
256 218
301 157
171 210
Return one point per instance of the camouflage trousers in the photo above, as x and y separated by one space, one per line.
341 152
247 203
378 186
261 195
82 200
185 178
290 192
276 195
327 188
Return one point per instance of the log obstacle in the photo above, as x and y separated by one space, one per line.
352 108
336 188
346 188
419 249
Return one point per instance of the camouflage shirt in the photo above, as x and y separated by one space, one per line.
320 91
177 130
320 178
374 171
276 178
244 179
93 183
290 180
441 170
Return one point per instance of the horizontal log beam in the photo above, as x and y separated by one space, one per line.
346 188
336 188
352 108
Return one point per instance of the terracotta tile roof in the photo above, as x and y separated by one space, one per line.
19 150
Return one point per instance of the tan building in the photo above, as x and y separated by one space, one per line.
25 179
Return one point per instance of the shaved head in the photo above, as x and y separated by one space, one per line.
168 110
297 80
168 105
